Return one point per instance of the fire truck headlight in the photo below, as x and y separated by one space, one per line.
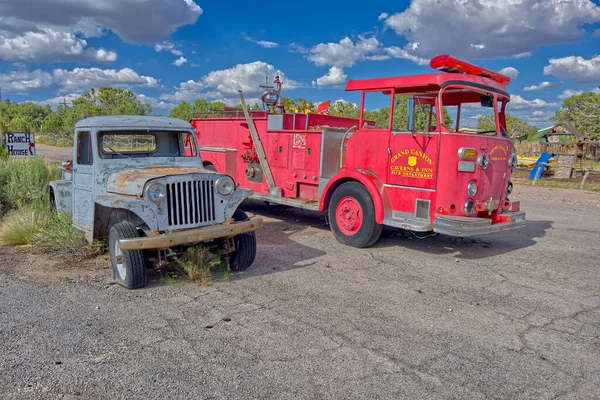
512 161
470 207
465 153
483 161
225 186
509 188
472 188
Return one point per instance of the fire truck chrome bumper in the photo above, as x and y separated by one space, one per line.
471 226
191 236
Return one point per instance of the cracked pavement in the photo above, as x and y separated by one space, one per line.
510 316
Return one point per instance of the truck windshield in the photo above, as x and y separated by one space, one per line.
470 112
123 144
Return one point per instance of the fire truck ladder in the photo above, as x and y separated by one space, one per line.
262 157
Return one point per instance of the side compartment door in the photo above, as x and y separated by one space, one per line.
83 183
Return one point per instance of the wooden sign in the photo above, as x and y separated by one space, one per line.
564 167
20 144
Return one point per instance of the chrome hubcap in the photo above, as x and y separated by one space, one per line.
120 261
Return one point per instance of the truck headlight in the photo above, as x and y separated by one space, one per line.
472 188
483 161
509 188
470 207
225 186
512 161
156 192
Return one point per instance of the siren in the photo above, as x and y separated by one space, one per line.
450 64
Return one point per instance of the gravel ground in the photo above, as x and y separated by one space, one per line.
515 316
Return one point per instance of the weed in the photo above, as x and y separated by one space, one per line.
59 237
21 226
24 181
199 264
170 279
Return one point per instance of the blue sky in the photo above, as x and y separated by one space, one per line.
172 50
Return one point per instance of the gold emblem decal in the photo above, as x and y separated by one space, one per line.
412 169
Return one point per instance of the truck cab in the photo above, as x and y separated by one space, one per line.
139 182
421 166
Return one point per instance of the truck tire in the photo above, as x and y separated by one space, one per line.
245 246
128 266
352 216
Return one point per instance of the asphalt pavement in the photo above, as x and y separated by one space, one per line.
510 316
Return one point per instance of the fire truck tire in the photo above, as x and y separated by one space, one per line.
352 216
245 246
128 266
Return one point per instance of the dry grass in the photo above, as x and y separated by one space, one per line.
21 226
199 264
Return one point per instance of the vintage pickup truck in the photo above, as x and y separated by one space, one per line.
140 182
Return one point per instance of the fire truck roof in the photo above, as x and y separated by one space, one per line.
426 83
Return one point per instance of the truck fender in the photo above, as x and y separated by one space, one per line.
61 193
371 182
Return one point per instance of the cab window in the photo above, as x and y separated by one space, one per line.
471 112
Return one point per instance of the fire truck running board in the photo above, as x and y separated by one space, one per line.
298 203
408 224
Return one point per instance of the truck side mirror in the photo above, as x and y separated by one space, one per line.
411 114
487 101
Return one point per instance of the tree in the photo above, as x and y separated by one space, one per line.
515 126
582 111
181 111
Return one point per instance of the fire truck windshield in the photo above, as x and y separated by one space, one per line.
472 112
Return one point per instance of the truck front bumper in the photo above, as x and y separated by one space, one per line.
191 236
471 226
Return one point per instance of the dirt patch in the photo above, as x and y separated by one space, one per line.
41 269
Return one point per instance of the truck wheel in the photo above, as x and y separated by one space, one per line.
352 216
245 246
128 266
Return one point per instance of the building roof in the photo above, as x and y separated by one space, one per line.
133 121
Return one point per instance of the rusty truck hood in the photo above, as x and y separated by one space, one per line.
132 181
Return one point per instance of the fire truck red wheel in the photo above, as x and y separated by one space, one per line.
352 216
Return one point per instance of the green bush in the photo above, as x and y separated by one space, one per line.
63 142
24 181
20 226
198 263
60 238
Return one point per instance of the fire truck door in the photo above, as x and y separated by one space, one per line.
413 148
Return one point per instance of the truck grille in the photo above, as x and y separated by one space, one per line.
191 202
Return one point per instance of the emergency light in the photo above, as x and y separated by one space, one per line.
450 64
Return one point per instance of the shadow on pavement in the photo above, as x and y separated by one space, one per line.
467 248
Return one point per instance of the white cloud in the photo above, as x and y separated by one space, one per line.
335 77
264 43
511 72
383 16
397 52
54 102
50 44
23 81
180 61
519 103
569 93
42 30
543 85
224 84
345 53
86 78
502 28
154 102
168 46
577 68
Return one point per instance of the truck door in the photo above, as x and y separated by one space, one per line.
83 183
413 150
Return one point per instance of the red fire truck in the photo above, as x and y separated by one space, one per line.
424 172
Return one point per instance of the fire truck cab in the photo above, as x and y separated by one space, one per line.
421 169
